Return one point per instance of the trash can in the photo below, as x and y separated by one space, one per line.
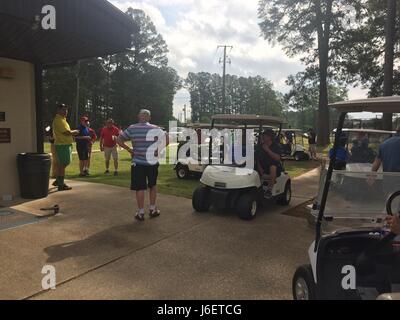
34 174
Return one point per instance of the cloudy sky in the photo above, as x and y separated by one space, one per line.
194 28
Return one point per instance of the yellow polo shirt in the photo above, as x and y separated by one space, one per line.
60 125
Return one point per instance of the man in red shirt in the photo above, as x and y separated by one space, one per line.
108 144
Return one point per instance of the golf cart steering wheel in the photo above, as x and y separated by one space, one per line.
389 202
365 262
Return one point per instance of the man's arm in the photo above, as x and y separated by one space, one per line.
273 155
70 133
101 144
121 142
101 140
376 165
394 224
93 136
83 138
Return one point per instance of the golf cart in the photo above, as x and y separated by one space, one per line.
193 165
354 256
292 145
362 146
239 187
185 167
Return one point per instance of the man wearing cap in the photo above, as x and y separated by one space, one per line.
63 139
83 140
144 170
108 144
268 157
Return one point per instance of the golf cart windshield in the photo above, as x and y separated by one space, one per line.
363 145
358 199
355 198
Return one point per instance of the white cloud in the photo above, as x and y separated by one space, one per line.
194 28
200 26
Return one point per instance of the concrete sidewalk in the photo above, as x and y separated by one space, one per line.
100 252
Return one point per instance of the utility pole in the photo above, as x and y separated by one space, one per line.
184 113
224 61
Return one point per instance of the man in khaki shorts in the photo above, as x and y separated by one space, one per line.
108 144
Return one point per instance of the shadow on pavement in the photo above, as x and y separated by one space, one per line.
119 237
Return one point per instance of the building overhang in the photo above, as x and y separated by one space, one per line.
84 29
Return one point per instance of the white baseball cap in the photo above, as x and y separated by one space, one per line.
145 111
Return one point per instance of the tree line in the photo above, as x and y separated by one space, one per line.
117 86
252 95
340 42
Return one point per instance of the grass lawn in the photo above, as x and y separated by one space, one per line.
47 146
168 183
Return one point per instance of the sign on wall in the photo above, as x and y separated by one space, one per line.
7 73
5 135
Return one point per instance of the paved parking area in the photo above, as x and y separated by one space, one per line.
100 252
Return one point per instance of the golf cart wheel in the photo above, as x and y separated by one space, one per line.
182 172
286 197
247 206
303 285
201 199
298 156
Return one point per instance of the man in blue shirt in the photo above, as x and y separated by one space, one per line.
342 154
144 170
82 146
389 155
389 158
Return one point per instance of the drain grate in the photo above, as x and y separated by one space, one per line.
10 218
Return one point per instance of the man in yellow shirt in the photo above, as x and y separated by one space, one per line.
63 139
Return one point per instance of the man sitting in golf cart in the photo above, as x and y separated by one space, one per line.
268 159
342 154
360 151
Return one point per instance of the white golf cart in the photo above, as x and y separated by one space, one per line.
354 256
362 146
239 187
292 145
193 165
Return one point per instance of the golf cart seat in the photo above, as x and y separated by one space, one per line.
360 154
286 148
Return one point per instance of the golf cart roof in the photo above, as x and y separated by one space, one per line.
208 126
292 130
249 119
198 125
366 131
381 105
